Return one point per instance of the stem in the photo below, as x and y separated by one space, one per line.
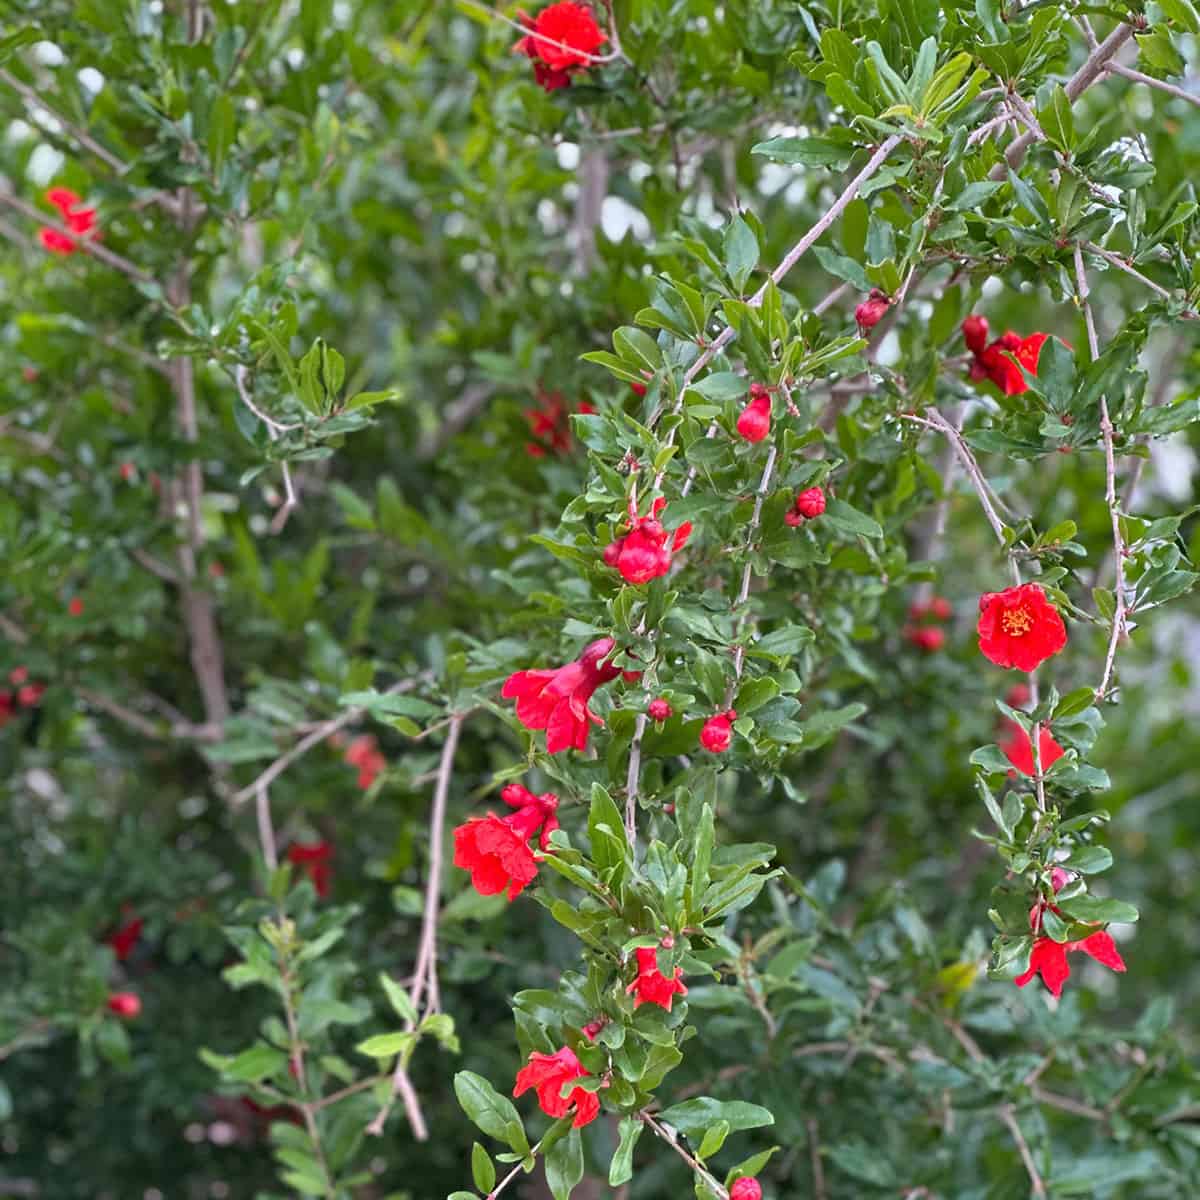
1110 490
672 1140
632 781
1129 73
1008 1116
513 1173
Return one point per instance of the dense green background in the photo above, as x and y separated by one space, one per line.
388 178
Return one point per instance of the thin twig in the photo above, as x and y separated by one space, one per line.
632 780
1008 1116
814 1158
1159 84
1110 489
764 485
668 1135
266 829
306 743
1118 262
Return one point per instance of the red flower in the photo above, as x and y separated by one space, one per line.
745 1189
1018 748
547 1073
30 696
592 1028
314 858
659 710
125 1004
642 554
638 389
516 796
75 608
975 332
651 986
364 753
1048 958
871 311
755 422
550 424
1019 627
495 849
556 700
926 637
1018 695
79 220
561 41
808 504
717 733
125 938
18 675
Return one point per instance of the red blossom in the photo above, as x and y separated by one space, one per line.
745 1189
1048 958
75 608
78 220
125 1004
547 1074
638 389
659 710
1018 695
556 700
936 608
495 849
651 986
550 424
313 858
517 796
871 311
643 553
1018 748
592 1028
995 361
125 938
755 422
1019 627
717 733
561 40
364 753
926 637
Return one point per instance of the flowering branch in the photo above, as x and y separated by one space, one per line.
1110 489
592 59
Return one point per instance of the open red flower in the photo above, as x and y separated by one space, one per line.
651 986
755 422
125 1004
79 220
364 753
995 361
547 1074
561 40
1019 627
313 858
550 424
126 936
495 849
745 1189
644 553
556 700
717 732
1018 748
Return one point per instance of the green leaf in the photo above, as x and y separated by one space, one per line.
784 642
606 830
1058 121
849 520
721 386
259 1062
399 999
620 1170
740 251
386 1045
1092 909
637 347
1090 860
564 1165
714 1139
1183 13
864 1163
694 1116
483 1170
491 1112
702 844
807 152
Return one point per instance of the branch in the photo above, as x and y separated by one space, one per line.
1110 491
669 1136
633 780
306 743
1161 85
592 59
764 484
274 429
1091 70
1007 1115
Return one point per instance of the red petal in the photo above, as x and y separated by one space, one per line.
1103 949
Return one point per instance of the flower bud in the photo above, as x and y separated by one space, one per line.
975 333
755 422
871 311
659 710
810 503
745 1189
717 733
125 1004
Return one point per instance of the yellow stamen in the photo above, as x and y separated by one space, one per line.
1016 622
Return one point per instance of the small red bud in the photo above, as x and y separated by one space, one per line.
125 1004
975 333
810 503
745 1189
928 638
659 710
75 608
755 422
638 389
717 733
871 311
